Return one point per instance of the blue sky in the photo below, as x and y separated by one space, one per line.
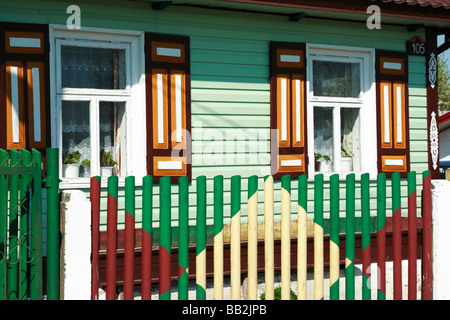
447 52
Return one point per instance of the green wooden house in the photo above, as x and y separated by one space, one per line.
208 87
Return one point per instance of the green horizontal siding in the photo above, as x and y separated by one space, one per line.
417 114
230 83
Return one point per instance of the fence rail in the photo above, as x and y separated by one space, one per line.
368 234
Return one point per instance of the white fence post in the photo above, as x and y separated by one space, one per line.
440 195
75 212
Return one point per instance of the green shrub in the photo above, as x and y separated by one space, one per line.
106 159
72 157
277 294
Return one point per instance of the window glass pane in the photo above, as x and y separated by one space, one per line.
323 139
336 79
350 140
93 68
75 139
112 138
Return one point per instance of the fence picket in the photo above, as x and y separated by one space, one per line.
183 239
334 237
302 237
318 238
396 235
350 237
285 237
147 237
200 266
95 221
13 229
381 236
24 241
36 273
366 241
412 236
53 234
218 237
426 254
235 245
165 238
111 249
252 231
268 238
128 277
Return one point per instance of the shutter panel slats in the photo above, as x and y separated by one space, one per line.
298 110
398 89
36 104
160 109
393 128
178 109
288 117
15 105
25 95
283 111
168 105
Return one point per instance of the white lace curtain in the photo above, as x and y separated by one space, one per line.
93 68
76 127
323 132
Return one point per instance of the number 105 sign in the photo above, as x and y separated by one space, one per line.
416 47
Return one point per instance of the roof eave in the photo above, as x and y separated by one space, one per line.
426 14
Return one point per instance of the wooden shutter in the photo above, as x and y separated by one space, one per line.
168 105
288 109
392 112
24 92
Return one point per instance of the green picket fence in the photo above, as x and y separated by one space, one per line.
21 229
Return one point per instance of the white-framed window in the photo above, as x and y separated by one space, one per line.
341 110
98 102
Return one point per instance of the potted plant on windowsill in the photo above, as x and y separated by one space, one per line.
107 164
346 160
323 163
71 165
86 163
317 157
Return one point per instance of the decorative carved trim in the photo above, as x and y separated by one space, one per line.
432 70
434 140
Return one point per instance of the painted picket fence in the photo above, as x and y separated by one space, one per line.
164 256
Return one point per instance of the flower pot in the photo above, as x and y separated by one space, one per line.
86 171
71 170
317 166
106 171
346 164
325 166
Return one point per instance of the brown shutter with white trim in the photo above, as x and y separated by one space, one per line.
392 112
24 89
168 105
288 109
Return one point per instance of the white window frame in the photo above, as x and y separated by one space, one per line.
366 103
133 95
